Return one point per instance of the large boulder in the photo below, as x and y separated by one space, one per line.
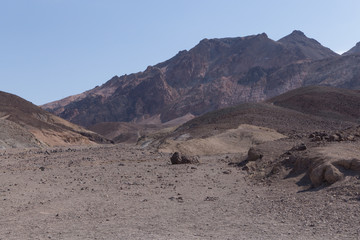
254 154
332 174
325 172
178 158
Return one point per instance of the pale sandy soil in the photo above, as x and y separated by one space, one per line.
237 140
125 192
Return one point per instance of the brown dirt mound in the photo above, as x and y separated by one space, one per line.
237 140
283 120
47 129
328 102
130 132
123 131
12 135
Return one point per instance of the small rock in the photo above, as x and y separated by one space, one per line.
334 138
245 168
341 137
351 138
42 168
355 164
300 147
317 139
211 199
179 199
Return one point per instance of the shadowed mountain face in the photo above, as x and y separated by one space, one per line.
214 74
354 50
328 102
22 124
302 110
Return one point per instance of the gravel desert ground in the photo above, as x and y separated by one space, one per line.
179 121
126 192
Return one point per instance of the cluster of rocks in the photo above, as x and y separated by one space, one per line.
336 137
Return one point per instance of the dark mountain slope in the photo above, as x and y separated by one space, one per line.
328 102
299 111
353 51
342 72
214 74
309 47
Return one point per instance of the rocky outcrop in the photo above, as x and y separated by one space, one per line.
321 168
329 172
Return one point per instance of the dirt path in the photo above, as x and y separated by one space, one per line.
124 192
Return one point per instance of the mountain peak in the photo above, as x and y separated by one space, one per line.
353 51
309 46
297 33
295 37
263 35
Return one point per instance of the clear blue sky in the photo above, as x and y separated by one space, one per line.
50 49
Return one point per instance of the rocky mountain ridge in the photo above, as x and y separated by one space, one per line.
214 74
354 50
